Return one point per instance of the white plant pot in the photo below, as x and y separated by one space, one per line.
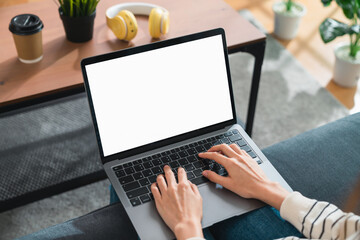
287 23
347 69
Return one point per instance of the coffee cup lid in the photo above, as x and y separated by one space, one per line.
25 24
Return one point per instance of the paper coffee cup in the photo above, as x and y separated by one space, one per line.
26 30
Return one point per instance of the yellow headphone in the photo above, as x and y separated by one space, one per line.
121 20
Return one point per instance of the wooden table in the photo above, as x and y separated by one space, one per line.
59 74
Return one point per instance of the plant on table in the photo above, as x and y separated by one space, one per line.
78 8
331 28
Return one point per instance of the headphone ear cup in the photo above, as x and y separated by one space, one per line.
155 22
165 23
131 24
117 26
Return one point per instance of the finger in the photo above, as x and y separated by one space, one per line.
217 157
169 175
194 188
182 177
155 191
160 180
236 148
214 177
224 148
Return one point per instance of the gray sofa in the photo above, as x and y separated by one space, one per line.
323 163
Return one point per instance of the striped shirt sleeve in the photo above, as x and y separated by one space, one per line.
319 220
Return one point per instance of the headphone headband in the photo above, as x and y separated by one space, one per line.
136 8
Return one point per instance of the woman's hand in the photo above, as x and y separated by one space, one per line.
245 177
179 204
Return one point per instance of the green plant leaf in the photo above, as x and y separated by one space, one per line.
331 29
355 29
326 2
77 8
347 7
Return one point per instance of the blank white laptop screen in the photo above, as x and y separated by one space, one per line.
154 95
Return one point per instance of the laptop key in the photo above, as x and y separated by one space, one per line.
144 182
200 149
137 192
235 131
198 172
135 202
120 173
252 154
131 186
126 179
189 167
191 159
139 168
156 170
129 164
183 154
118 168
199 180
190 175
138 175
235 137
208 146
226 140
228 134
145 198
241 143
183 161
174 156
152 178
246 148
156 162
165 159
174 164
129 170
198 164
191 151
147 173
148 165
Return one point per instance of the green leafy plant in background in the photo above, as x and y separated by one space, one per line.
78 8
289 4
331 28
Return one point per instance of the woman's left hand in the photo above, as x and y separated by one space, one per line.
179 204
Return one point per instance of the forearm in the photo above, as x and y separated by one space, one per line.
272 193
320 220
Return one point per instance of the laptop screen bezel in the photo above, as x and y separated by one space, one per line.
149 47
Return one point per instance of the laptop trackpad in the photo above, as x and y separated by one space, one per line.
220 203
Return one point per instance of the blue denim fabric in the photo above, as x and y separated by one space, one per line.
263 223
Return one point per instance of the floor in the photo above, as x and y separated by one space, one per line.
316 57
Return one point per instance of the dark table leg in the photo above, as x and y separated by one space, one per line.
258 51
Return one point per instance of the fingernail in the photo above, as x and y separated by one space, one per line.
205 173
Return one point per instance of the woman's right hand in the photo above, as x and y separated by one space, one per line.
245 176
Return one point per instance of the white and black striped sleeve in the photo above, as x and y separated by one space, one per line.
319 220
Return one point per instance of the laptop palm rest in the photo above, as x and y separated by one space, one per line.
223 204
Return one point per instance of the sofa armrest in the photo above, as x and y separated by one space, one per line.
323 163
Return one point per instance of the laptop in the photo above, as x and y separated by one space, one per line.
161 104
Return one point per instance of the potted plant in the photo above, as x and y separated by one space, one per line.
287 18
78 18
347 57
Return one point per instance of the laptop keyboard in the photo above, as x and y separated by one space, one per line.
137 176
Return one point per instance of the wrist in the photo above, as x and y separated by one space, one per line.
188 229
273 194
